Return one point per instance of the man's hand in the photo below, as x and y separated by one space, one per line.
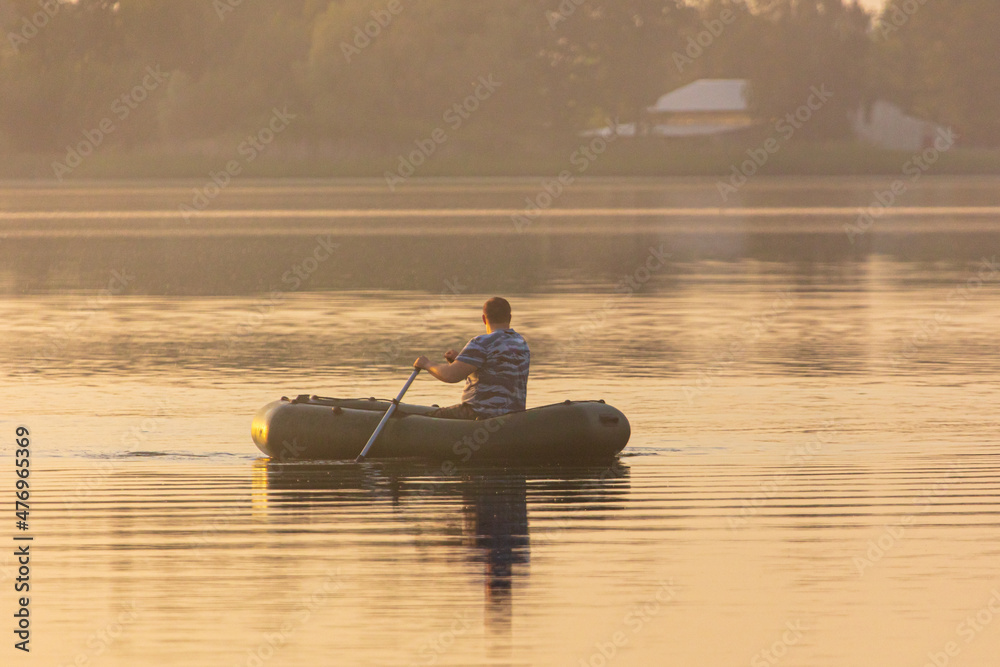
453 371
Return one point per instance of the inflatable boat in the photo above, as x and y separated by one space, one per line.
312 428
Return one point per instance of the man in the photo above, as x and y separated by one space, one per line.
493 365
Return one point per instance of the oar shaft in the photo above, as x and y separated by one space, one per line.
388 413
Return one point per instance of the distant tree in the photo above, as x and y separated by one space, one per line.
612 60
385 84
939 61
62 77
241 66
377 75
799 45
724 42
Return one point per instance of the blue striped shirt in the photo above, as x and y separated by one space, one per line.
500 382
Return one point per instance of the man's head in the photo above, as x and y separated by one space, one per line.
496 313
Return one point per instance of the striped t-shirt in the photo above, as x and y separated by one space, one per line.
500 382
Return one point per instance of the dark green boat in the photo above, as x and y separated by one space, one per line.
311 428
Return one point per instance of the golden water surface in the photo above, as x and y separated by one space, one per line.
813 477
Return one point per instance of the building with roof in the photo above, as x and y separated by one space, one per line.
717 107
885 125
703 108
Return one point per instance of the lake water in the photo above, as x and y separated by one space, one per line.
812 480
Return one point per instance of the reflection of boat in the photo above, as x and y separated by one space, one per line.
313 428
492 504
298 483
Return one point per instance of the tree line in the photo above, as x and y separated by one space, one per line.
361 77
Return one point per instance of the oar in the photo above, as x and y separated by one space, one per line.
385 417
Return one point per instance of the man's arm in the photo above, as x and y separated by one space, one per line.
450 372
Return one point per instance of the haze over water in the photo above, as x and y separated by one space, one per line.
812 477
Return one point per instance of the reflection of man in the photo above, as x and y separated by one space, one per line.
497 508
493 365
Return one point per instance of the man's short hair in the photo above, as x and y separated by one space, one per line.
497 310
